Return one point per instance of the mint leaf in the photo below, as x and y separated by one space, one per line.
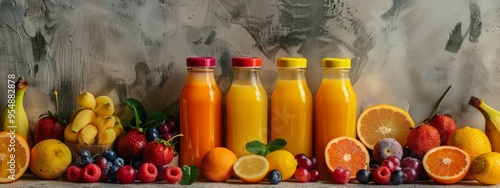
189 175
276 144
139 111
256 147
154 119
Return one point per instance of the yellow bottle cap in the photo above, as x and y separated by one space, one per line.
295 62
336 63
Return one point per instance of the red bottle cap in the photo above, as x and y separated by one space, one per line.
200 62
246 62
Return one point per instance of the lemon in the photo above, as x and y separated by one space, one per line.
49 159
284 161
472 140
486 168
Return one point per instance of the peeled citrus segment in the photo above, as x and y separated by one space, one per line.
383 121
251 168
347 153
14 157
446 164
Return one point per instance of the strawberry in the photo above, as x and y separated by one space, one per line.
49 125
421 139
131 145
445 125
160 152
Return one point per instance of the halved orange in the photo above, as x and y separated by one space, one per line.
446 164
14 156
383 121
347 153
251 168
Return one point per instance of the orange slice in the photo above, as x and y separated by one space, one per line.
14 156
347 153
383 121
446 164
251 168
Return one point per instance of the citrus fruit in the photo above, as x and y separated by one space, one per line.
446 164
284 161
347 153
472 140
49 159
14 156
251 168
383 121
217 164
486 168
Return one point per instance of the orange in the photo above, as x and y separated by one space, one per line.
251 168
446 164
383 121
14 156
472 140
217 164
347 153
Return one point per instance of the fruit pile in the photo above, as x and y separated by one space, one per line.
93 123
306 169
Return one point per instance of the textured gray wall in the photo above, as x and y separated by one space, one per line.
405 52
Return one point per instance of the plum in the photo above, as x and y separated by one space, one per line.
387 147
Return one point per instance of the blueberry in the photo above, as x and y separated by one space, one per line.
109 165
119 162
74 161
152 135
109 154
274 177
397 177
85 160
137 164
363 176
112 173
84 153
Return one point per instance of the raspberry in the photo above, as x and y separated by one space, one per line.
381 175
91 173
147 173
173 174
74 173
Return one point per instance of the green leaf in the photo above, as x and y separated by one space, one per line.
154 120
276 144
139 111
256 147
189 175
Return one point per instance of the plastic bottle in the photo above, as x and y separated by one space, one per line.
246 106
200 111
335 107
291 106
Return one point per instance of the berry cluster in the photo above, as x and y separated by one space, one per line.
306 168
165 131
108 167
392 171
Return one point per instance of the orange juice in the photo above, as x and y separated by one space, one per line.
335 107
200 111
246 106
291 107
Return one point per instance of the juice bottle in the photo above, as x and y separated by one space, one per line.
200 111
246 106
291 106
335 107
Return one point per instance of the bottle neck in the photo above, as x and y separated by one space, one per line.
291 73
247 76
331 73
196 74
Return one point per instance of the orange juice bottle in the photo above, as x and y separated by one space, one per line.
246 106
200 111
335 107
291 106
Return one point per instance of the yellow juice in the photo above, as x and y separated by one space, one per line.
246 116
291 115
335 113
